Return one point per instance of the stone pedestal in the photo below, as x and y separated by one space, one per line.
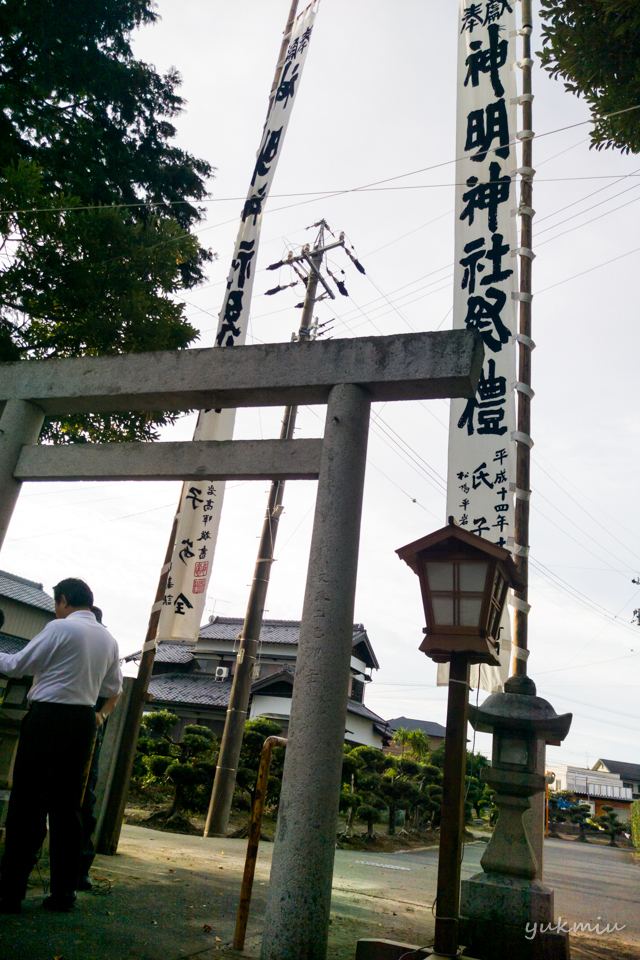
505 899
504 907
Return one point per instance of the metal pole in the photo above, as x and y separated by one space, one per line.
112 823
120 786
20 424
297 916
226 770
255 826
451 824
525 346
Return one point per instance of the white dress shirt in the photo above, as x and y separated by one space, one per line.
72 661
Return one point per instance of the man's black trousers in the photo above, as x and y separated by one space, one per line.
51 764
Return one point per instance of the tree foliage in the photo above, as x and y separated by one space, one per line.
256 732
594 46
187 765
96 200
610 823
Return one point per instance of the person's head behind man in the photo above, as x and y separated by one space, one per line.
70 595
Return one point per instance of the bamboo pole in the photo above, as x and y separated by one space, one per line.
110 834
525 346
255 826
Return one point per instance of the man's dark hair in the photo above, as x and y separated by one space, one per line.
77 592
97 612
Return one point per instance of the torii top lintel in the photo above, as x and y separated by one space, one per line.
415 366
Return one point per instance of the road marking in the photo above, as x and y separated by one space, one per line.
386 866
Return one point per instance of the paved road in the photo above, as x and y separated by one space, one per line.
590 881
173 897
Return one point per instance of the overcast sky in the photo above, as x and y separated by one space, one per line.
377 103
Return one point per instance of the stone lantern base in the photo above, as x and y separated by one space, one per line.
501 918
504 899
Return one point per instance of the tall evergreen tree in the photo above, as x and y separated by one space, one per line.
96 200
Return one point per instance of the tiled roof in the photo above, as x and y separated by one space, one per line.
200 689
175 652
362 711
11 644
273 631
169 653
190 688
227 628
627 771
25 591
427 726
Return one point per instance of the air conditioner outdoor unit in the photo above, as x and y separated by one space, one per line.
222 673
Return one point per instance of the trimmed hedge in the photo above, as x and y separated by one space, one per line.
635 824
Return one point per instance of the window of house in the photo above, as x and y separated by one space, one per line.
357 690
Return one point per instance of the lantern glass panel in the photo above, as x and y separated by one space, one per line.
440 576
443 610
470 609
472 577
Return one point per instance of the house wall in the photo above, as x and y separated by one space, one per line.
358 730
22 620
597 784
631 781
622 809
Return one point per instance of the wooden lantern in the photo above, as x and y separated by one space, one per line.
464 581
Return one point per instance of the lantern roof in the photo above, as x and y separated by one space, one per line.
453 537
520 710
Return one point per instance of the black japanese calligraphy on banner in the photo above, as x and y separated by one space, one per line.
481 452
201 504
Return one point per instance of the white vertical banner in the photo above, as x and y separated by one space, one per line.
201 501
482 451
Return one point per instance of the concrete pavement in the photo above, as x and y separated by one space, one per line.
172 897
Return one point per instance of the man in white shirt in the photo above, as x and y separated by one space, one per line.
73 661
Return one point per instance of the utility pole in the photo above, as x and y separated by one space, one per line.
225 778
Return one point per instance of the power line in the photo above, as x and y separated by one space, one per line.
587 197
596 663
578 527
587 222
591 517
575 487
590 270
583 599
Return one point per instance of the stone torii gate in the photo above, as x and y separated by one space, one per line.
346 375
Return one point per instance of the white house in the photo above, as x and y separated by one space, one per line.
194 680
